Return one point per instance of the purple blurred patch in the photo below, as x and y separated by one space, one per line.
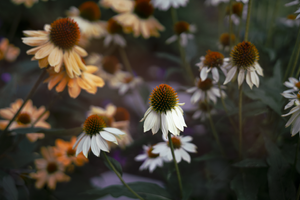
116 154
5 77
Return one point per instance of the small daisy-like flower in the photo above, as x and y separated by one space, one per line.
293 84
213 61
65 153
295 119
290 21
28 115
140 20
87 81
116 117
8 51
293 98
239 11
124 81
181 145
119 6
203 111
166 4
243 62
87 16
292 3
183 32
27 3
215 2
205 90
164 112
57 45
151 160
50 171
113 35
94 136
224 42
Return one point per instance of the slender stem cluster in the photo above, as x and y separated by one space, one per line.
125 60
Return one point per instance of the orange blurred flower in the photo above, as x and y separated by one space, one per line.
8 51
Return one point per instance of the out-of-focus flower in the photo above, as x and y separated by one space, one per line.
27 3
57 45
94 136
215 2
118 6
293 84
294 120
184 32
50 171
213 61
113 35
239 12
124 81
292 3
5 77
8 51
164 112
65 153
244 62
87 81
28 115
151 160
224 43
166 4
181 146
294 99
205 90
116 117
203 111
140 20
87 16
290 21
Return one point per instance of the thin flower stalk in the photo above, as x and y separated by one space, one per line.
125 60
248 20
32 91
273 19
240 122
175 163
230 25
120 177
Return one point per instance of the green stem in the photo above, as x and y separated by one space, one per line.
175 163
273 18
125 60
230 25
296 154
248 20
32 91
120 177
292 57
240 121
296 58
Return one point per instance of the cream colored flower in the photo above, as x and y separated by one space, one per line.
56 45
28 115
8 51
151 160
49 170
87 81
166 4
124 82
113 35
27 3
140 20
184 32
87 17
118 6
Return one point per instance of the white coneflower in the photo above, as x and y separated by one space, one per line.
181 146
203 111
243 62
225 40
214 2
293 84
118 6
293 98
184 32
205 90
164 112
294 120
292 3
113 35
290 20
166 4
213 61
94 136
124 81
151 160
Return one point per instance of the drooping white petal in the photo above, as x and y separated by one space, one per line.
78 139
171 125
86 146
241 77
230 74
146 113
94 146
156 124
109 137
102 143
203 73
291 120
215 74
164 124
80 144
114 131
185 156
150 121
295 109
248 79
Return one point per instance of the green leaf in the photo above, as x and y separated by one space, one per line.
248 162
149 191
49 132
17 160
9 187
115 163
169 57
208 156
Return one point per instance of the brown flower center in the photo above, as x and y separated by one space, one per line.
181 27
224 39
71 152
65 33
163 98
52 167
90 10
176 142
24 118
292 17
298 85
128 79
150 154
237 8
93 125
121 114
244 55
205 85
143 8
108 120
113 26
110 64
213 59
